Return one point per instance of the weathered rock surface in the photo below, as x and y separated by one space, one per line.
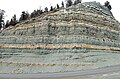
52 42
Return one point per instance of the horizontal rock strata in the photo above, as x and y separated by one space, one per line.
83 36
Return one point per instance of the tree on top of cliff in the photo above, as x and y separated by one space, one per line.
46 9
13 21
62 4
34 14
51 8
7 24
1 18
69 3
24 16
77 2
58 6
107 4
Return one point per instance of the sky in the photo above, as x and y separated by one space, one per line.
12 7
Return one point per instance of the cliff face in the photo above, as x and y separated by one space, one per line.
82 28
87 21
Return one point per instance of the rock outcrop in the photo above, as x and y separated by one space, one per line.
83 28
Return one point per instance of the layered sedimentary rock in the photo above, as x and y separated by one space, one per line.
82 36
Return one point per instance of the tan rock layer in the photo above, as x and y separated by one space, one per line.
68 24
40 64
58 46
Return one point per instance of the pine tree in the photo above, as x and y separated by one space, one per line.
23 16
58 6
46 9
1 18
107 4
69 3
7 24
51 8
77 2
27 15
62 4
13 21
